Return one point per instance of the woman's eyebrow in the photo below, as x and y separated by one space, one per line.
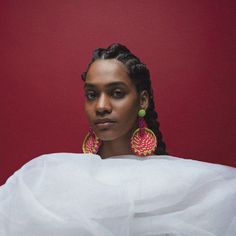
109 85
88 85
116 84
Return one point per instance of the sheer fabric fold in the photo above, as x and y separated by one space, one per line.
67 194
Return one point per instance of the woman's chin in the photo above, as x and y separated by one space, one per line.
107 135
106 138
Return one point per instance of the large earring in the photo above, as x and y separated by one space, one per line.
91 143
143 141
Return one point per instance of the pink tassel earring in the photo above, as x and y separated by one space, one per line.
91 143
143 141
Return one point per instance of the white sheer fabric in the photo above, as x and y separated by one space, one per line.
66 194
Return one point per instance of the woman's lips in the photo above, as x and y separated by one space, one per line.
104 123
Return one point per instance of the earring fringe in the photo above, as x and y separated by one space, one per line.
91 143
143 141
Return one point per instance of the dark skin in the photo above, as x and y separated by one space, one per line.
111 94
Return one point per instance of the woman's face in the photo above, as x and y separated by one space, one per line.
112 102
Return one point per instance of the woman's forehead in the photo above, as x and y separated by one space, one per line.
103 72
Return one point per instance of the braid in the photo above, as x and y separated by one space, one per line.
153 124
140 76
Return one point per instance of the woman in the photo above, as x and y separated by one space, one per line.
125 183
118 89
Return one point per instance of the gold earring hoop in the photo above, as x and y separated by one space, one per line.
143 141
91 143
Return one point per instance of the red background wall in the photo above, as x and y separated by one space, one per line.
189 47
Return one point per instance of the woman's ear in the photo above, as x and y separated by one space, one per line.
144 100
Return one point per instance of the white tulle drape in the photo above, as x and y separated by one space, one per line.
66 194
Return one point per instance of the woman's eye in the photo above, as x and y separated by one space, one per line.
118 94
90 95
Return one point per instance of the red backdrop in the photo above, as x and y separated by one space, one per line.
45 45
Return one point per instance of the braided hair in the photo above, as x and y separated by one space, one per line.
139 74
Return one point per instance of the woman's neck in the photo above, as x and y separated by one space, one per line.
117 147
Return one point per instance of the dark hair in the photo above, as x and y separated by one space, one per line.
140 76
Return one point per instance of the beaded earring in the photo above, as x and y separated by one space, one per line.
91 143
143 141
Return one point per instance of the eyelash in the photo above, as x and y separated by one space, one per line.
87 94
117 94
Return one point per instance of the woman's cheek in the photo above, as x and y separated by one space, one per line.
130 115
88 113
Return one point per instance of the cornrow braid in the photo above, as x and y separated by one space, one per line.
140 76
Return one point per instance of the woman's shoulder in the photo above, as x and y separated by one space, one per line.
64 164
65 158
50 162
171 160
59 157
192 166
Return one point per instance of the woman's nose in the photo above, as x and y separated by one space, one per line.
103 105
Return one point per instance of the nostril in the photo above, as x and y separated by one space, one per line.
103 111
